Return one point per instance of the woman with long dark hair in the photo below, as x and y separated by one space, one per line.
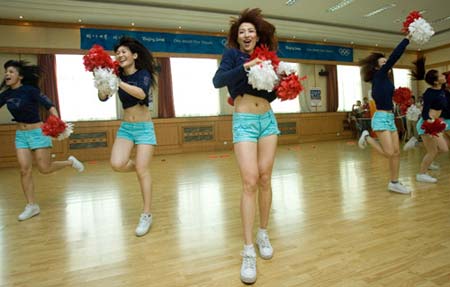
137 71
255 130
378 70
22 96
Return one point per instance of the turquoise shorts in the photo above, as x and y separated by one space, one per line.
138 133
252 127
383 121
447 121
32 139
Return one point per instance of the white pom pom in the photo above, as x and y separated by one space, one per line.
421 31
66 133
106 81
286 68
263 76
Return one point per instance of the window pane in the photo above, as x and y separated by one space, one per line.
193 91
289 106
78 99
402 78
349 86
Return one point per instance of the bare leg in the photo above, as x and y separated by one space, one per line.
144 155
45 164
24 157
246 154
267 147
120 156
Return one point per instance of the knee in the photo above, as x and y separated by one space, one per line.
117 165
250 183
44 169
265 179
142 171
25 171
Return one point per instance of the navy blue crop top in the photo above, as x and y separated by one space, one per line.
446 111
382 87
141 79
23 103
231 73
433 99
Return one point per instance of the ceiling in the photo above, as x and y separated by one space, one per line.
304 20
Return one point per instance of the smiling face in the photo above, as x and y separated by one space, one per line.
12 77
126 59
247 37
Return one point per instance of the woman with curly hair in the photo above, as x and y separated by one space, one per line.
378 70
137 71
22 96
255 130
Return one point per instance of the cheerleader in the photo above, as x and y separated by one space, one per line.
22 97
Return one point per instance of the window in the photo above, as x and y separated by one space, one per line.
349 86
402 78
289 106
78 99
193 90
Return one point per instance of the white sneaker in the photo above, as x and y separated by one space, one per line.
362 139
423 177
398 187
264 246
145 221
434 166
248 267
76 164
31 209
410 144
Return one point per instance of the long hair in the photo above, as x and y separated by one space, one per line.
418 73
264 30
30 74
369 66
145 59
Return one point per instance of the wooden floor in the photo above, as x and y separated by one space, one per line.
333 223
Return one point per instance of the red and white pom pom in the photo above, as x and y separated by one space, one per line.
290 87
57 129
106 81
419 29
433 127
263 76
263 53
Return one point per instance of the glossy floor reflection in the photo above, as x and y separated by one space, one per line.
333 223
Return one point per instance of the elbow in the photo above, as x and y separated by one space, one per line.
217 83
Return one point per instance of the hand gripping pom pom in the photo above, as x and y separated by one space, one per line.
57 129
419 29
434 127
104 68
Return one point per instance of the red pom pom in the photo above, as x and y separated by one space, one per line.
413 15
98 58
53 126
289 87
402 96
434 128
262 52
448 77
230 101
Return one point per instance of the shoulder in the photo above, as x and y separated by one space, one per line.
231 53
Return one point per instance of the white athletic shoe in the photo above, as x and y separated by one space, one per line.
362 139
264 246
410 144
31 209
423 177
398 187
434 166
76 164
145 221
248 267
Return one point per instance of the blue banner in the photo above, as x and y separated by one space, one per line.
204 44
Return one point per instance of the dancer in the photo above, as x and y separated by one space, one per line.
137 73
255 130
22 97
434 102
412 116
377 70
